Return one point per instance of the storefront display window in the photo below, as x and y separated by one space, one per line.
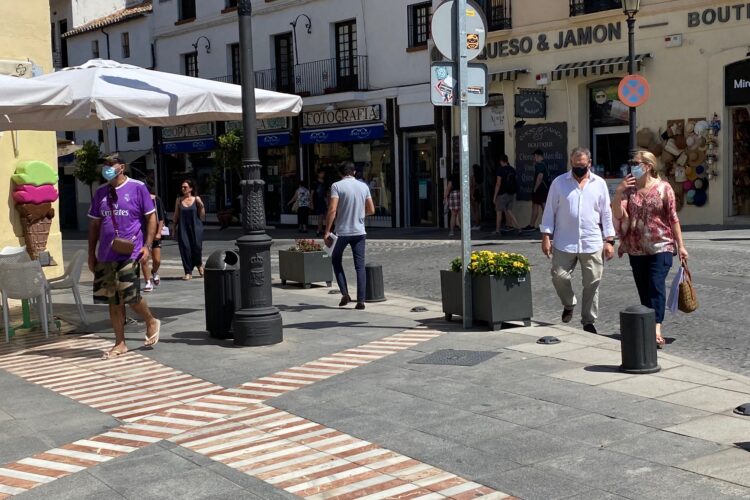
281 174
196 166
608 120
741 160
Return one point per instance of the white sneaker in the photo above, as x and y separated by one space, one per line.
476 227
149 286
157 279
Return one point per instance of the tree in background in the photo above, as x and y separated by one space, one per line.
87 164
228 161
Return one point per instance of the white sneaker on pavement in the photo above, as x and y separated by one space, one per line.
149 286
157 279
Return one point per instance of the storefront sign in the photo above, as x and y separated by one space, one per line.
341 116
191 130
552 139
712 15
563 39
531 103
279 123
354 134
274 140
737 84
192 146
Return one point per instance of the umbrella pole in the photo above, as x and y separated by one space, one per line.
105 135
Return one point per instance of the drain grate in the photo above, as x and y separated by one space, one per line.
455 357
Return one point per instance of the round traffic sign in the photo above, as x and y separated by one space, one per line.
633 90
445 29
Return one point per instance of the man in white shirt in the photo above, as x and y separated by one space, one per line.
579 215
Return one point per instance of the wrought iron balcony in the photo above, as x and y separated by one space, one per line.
580 7
498 14
314 78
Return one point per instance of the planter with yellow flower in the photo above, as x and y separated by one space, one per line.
500 288
305 263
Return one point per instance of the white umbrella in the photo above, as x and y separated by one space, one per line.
128 96
24 94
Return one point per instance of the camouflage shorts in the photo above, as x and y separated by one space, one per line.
117 282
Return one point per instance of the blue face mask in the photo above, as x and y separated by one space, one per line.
637 171
109 172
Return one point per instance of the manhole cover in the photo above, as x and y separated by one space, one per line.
455 357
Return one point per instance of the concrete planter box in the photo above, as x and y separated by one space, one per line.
494 299
305 267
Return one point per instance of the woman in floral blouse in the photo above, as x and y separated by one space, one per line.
646 220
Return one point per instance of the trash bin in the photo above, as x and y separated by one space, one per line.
638 340
221 287
374 283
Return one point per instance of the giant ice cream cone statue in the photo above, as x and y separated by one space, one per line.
34 194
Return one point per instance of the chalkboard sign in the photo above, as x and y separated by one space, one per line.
552 139
531 103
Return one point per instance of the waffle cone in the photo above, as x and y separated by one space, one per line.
36 235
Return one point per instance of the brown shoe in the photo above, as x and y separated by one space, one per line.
567 315
360 306
345 300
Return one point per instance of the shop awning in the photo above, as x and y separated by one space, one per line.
274 140
596 66
507 74
348 134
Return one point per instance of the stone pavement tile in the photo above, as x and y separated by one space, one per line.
546 349
69 426
650 412
708 398
648 386
471 428
4 416
251 487
718 428
596 495
669 483
599 468
665 448
81 485
592 375
528 446
731 465
194 484
15 447
732 385
690 374
597 430
592 356
531 483
373 428
534 413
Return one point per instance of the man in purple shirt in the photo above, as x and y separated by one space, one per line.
121 209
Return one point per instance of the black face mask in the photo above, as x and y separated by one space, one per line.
580 171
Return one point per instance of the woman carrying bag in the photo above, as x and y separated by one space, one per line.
189 213
645 212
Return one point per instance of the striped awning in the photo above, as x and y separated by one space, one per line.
507 74
596 67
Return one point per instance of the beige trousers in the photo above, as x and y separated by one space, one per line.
592 266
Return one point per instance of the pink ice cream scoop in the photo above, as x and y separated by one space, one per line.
29 193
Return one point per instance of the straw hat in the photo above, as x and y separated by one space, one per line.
680 141
690 173
696 157
656 148
667 157
644 137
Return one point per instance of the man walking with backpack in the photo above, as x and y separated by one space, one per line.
506 187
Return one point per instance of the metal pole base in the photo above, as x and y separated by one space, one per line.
640 370
256 327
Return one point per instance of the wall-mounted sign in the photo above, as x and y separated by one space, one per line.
361 133
588 35
723 14
192 146
279 123
341 116
737 83
531 103
190 130
552 139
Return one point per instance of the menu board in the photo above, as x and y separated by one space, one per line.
552 139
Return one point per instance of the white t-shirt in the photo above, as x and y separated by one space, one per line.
350 212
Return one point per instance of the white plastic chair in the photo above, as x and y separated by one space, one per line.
70 280
25 280
13 254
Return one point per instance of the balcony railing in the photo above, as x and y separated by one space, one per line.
580 7
498 14
314 78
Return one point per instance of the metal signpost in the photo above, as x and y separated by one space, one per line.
458 30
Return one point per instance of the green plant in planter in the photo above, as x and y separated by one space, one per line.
306 246
501 264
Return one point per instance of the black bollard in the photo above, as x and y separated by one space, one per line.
374 290
638 340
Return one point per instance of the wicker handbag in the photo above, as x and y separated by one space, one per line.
687 299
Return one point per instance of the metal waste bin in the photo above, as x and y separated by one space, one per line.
221 287
374 283
638 340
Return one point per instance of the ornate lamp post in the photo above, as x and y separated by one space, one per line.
630 8
258 322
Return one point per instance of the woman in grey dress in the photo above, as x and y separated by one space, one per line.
189 213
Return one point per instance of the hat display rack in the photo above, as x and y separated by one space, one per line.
688 153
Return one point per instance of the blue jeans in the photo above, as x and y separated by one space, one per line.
650 273
358 249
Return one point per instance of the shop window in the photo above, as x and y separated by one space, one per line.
608 119
134 134
191 64
740 160
498 14
125 37
234 51
419 24
231 3
581 7
95 49
346 55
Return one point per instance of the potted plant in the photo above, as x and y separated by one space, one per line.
305 263
500 288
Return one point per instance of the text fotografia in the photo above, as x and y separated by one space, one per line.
723 14
563 39
340 116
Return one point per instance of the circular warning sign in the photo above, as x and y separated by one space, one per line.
633 90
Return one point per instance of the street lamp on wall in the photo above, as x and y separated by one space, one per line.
293 24
207 46
630 8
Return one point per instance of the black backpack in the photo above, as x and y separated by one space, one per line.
510 182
